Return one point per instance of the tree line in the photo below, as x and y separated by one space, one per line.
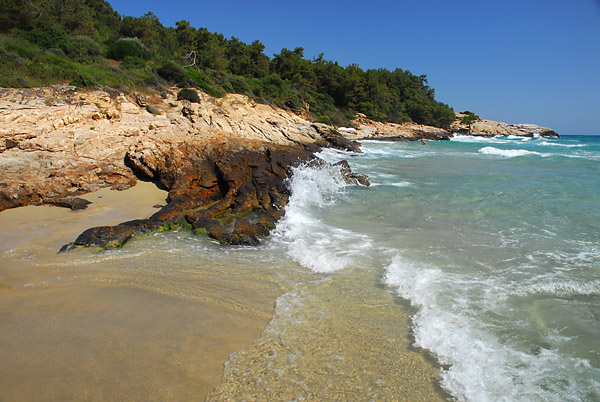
87 43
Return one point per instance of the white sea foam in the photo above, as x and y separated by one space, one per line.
500 139
564 288
509 153
385 152
556 144
309 240
393 184
472 138
481 366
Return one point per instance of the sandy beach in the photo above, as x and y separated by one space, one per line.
70 331
126 325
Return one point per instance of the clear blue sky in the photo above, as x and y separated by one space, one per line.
517 61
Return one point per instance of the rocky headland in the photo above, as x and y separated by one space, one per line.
370 129
490 128
224 161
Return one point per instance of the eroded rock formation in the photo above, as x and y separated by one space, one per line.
489 128
223 161
233 192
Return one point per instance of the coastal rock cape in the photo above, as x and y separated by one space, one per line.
223 161
490 128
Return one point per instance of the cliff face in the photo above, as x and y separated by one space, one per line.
57 142
224 161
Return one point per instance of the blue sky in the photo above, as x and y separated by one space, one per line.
524 61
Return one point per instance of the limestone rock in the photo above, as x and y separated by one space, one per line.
60 141
490 128
223 161
375 130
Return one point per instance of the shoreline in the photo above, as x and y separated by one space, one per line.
127 334
62 313
246 149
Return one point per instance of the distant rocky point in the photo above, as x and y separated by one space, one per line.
365 128
490 128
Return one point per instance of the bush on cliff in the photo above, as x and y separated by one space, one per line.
50 37
124 47
83 49
172 72
469 118
188 94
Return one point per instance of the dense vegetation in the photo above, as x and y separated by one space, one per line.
87 43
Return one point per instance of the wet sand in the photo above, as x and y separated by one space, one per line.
158 319
100 327
50 227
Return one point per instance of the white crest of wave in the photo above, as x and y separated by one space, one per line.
556 144
311 242
565 288
472 138
499 139
393 184
481 368
508 153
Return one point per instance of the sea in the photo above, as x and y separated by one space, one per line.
469 270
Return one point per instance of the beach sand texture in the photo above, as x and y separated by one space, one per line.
125 325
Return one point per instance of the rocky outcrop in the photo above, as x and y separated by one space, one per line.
489 128
61 142
375 130
223 161
233 192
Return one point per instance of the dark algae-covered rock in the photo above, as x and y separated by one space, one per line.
233 192
74 203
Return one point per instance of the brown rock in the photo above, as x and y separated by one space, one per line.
73 203
224 164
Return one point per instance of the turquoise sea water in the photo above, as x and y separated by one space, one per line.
491 244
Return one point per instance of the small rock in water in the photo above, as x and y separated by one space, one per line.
75 203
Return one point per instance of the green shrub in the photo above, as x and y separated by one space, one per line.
48 38
210 90
469 118
188 94
368 109
83 81
227 87
172 72
133 62
240 85
19 46
58 52
124 47
83 49
324 119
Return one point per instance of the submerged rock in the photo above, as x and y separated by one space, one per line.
350 177
74 203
